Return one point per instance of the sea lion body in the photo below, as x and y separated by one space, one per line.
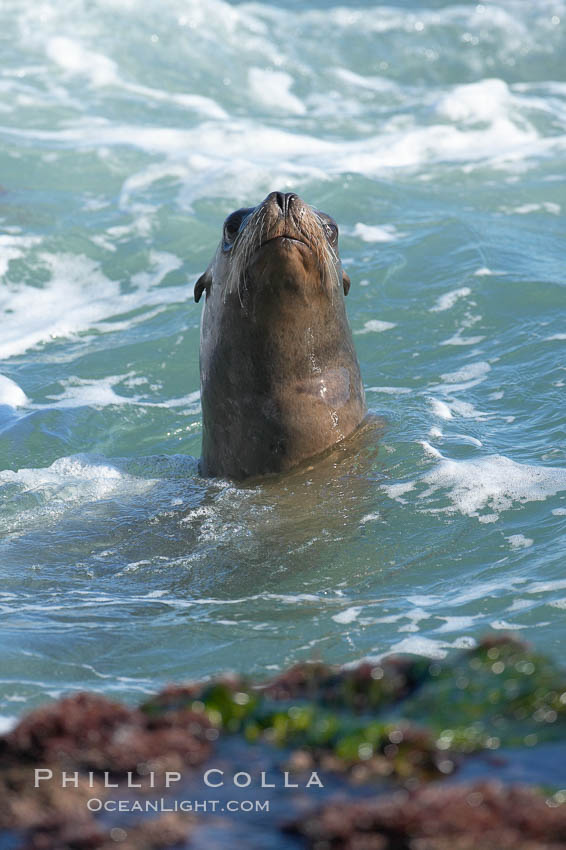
280 380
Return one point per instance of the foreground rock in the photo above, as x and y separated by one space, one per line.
484 816
373 737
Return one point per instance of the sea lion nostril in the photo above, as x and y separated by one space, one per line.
291 198
281 201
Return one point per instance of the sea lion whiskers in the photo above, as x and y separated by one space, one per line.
247 241
303 223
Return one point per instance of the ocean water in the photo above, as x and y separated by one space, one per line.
435 134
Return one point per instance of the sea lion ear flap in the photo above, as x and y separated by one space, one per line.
203 283
345 282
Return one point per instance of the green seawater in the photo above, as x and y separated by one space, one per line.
435 134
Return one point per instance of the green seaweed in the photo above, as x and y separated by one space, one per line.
502 694
412 713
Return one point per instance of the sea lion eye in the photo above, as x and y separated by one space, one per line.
331 231
232 227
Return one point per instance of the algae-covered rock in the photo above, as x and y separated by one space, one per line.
89 731
482 816
403 716
409 720
502 693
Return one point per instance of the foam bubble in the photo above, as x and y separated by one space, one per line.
7 723
456 624
375 233
440 409
466 377
347 616
101 392
272 89
76 59
447 301
419 645
430 450
69 482
459 339
494 483
525 209
375 326
487 101
12 247
10 393
519 541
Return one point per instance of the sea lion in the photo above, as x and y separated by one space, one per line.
280 380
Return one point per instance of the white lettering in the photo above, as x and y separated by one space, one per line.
107 783
47 774
289 784
314 780
171 776
213 784
264 783
69 779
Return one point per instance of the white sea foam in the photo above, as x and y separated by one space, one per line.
470 371
464 378
35 316
492 483
7 723
101 392
420 645
376 233
74 58
347 616
272 90
389 390
506 626
483 272
525 209
482 487
67 483
12 247
485 102
519 541
10 393
456 624
262 156
459 339
440 409
447 301
375 326
430 450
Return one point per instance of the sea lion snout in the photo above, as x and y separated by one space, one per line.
283 201
285 215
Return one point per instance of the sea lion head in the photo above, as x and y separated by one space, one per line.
282 244
280 381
